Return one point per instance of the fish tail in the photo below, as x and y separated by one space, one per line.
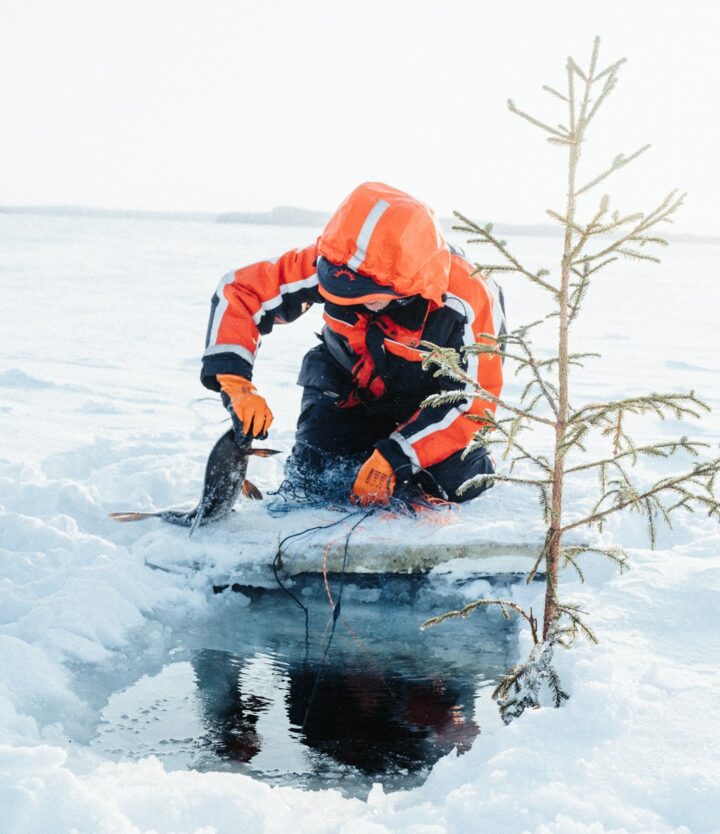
132 516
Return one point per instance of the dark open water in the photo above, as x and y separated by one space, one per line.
246 691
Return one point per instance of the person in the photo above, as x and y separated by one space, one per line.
389 282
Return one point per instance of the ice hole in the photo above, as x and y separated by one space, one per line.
246 691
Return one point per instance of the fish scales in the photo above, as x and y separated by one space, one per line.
223 482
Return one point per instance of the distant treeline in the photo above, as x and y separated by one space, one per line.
283 216
279 216
122 214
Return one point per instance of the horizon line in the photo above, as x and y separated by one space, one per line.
282 216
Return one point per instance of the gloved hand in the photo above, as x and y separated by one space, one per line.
375 482
250 408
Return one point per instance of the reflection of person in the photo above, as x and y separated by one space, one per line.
375 721
388 281
230 720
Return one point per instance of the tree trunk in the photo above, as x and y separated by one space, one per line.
555 534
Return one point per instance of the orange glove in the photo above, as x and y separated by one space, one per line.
375 482
250 408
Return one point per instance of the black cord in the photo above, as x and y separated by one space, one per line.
282 586
336 611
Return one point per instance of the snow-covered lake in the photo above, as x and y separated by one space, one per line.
101 327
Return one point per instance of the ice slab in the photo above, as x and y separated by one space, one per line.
481 557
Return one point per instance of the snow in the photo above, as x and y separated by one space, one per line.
101 410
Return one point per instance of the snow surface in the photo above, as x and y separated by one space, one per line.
101 410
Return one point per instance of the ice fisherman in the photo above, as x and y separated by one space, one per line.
388 281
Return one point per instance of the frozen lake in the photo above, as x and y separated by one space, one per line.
108 317
101 331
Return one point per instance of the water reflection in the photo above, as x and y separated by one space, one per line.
249 691
382 724
375 720
230 716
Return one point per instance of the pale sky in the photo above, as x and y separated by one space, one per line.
243 105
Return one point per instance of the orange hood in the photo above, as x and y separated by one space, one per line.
390 237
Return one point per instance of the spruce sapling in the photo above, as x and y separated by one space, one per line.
589 246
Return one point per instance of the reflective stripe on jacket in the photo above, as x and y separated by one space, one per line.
251 301
394 239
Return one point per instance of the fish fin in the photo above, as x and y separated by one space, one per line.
262 453
123 517
197 521
249 490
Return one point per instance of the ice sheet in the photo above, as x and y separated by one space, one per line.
101 409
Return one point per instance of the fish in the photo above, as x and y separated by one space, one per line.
224 481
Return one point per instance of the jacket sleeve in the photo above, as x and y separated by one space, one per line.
433 434
248 303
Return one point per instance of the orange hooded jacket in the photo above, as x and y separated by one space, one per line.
394 239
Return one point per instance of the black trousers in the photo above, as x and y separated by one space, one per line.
332 442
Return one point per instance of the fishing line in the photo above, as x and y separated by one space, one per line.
406 507
290 497
336 610
276 566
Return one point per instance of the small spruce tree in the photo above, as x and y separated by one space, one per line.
589 246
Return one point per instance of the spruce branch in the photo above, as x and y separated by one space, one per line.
617 164
510 441
615 554
570 72
608 87
613 68
513 265
617 221
521 688
483 480
618 435
505 606
582 121
567 634
655 450
573 440
662 212
588 270
530 387
577 295
676 405
559 694
560 142
573 359
564 221
545 504
590 227
523 115
445 398
542 556
576 69
554 92
569 558
644 239
652 527
550 396
634 255
508 683
447 361
677 485
594 227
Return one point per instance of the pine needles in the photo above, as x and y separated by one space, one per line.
589 246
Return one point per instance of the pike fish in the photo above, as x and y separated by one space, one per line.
223 483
